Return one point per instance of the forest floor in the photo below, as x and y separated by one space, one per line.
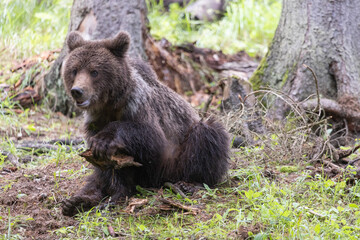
270 192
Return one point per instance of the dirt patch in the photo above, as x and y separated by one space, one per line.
31 198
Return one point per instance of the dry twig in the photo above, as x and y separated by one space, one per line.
11 157
134 203
189 209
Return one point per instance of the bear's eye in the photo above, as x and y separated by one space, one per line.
94 73
74 72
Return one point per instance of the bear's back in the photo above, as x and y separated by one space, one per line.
164 106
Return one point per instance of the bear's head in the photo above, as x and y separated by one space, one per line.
95 73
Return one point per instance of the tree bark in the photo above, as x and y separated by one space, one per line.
97 19
324 35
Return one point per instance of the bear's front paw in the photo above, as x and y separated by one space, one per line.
104 145
76 204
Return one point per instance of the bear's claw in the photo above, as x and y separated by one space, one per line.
103 145
74 205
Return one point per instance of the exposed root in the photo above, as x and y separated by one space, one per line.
336 109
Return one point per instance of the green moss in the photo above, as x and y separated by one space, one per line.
288 169
284 78
257 78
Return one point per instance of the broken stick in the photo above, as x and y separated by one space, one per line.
117 161
191 210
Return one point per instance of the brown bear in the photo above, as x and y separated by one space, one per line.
127 110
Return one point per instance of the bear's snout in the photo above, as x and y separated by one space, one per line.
81 90
77 92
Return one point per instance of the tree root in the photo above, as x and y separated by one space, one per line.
336 109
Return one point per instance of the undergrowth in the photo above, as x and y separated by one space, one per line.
271 191
29 27
246 25
254 206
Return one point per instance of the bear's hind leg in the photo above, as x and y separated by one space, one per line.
204 153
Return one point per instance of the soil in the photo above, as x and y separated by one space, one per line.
32 187
34 196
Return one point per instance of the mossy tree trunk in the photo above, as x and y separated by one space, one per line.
97 19
324 35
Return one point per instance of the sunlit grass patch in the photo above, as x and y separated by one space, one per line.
247 25
29 27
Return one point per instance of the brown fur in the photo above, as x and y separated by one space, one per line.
128 110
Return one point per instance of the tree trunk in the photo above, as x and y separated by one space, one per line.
98 19
324 35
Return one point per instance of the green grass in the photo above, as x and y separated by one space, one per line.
247 25
28 27
306 209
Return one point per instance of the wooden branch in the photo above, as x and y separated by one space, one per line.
67 141
314 213
208 102
168 58
334 153
134 203
26 97
309 125
334 166
189 209
319 151
353 161
118 161
39 148
11 157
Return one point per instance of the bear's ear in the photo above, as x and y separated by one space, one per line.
119 44
75 40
